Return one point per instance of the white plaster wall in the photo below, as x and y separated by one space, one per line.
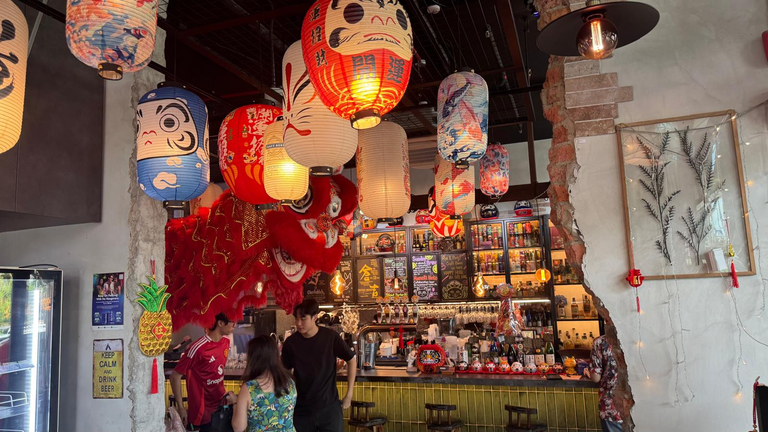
705 55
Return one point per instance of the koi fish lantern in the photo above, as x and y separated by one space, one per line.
113 36
172 144
494 171
462 118
241 145
14 35
454 188
358 55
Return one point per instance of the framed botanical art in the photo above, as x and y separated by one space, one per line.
684 199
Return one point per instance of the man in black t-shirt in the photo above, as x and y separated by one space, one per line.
312 354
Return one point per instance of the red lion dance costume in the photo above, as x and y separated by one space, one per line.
214 260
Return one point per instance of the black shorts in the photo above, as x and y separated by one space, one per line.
328 419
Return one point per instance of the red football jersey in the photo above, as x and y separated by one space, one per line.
203 364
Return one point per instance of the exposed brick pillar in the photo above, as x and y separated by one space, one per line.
579 101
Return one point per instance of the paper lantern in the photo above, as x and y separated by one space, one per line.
440 223
241 141
543 275
14 36
314 136
206 200
494 171
462 118
383 172
112 36
358 55
284 179
172 144
454 188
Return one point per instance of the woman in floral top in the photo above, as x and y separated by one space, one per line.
604 370
268 394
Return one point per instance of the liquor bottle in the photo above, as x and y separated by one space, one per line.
577 342
384 312
561 311
584 342
591 339
574 308
560 340
587 306
528 318
568 343
494 349
549 354
510 353
538 357
530 356
431 242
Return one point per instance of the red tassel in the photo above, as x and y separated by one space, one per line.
154 389
638 303
734 277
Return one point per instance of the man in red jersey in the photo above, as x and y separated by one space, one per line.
203 364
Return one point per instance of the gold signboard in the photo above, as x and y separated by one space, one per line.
108 369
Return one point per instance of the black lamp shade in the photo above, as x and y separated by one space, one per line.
633 20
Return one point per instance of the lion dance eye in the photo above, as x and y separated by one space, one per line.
353 13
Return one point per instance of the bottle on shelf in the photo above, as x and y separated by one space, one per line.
561 311
574 308
577 342
568 343
591 339
586 304
538 356
585 342
549 353
530 356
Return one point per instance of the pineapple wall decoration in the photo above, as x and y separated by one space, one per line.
155 325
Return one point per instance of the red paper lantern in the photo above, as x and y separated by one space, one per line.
358 55
240 151
494 171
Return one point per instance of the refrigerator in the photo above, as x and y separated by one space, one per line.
30 330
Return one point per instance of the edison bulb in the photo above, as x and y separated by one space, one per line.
337 283
479 286
597 38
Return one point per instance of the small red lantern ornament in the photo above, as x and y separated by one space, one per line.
358 55
635 279
543 275
494 171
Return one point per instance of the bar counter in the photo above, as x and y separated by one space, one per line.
400 375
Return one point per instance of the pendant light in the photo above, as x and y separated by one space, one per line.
543 275
14 37
462 117
112 36
284 179
396 283
595 31
480 285
358 55
241 140
494 171
454 188
314 136
383 173
172 144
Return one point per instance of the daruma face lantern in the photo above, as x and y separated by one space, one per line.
241 141
112 36
462 118
172 144
284 179
441 224
383 172
454 188
13 72
314 136
494 171
358 55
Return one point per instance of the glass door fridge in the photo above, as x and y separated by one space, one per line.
30 326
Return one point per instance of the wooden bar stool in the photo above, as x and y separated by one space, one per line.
362 420
517 426
439 418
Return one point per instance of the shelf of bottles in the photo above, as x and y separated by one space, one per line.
424 240
383 242
346 244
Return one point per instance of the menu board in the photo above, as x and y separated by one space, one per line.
368 280
401 265
425 276
345 267
454 273
318 287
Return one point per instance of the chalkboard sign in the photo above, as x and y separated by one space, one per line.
455 285
368 280
425 276
318 287
401 264
345 267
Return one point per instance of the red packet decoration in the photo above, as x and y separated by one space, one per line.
635 278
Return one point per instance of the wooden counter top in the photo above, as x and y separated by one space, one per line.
402 376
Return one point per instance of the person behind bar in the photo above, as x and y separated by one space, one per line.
604 370
268 394
203 364
312 354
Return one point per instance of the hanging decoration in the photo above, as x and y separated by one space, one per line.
358 56
155 324
172 144
284 179
337 283
422 217
462 118
523 209
494 171
206 200
383 172
241 140
635 279
14 36
454 188
543 275
489 211
440 223
480 285
314 136
113 36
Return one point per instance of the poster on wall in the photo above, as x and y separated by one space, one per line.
108 369
108 298
345 267
454 272
318 287
425 276
368 280
401 265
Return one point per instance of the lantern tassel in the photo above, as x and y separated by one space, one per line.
154 389
637 300
734 276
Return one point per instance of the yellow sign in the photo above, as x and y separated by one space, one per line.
108 369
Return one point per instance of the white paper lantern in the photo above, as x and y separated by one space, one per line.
13 72
383 172
211 194
462 118
314 136
454 188
284 179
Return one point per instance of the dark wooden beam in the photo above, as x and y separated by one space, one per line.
507 17
515 193
296 9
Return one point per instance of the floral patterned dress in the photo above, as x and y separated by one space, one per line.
267 412
604 364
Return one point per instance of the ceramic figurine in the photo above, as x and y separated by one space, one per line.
557 368
463 366
543 368
490 366
504 365
476 365
530 368
411 361
517 367
570 365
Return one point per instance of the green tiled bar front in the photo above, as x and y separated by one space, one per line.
562 409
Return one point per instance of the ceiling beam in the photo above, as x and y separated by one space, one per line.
507 17
485 73
296 9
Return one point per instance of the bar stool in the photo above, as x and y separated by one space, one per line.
365 421
516 426
436 421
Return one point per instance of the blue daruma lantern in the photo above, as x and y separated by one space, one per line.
462 118
172 144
